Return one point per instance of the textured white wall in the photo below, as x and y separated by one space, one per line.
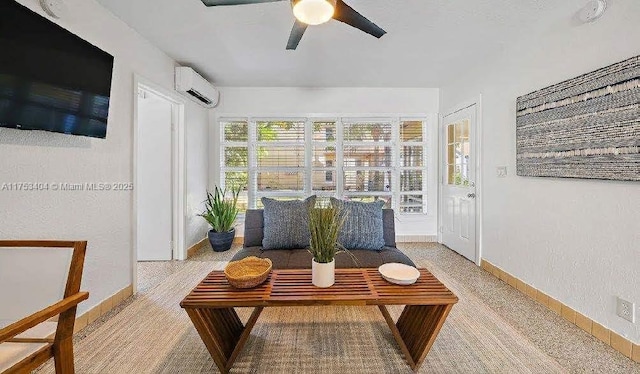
293 101
102 218
576 240
197 134
299 100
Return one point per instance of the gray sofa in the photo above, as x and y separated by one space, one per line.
301 258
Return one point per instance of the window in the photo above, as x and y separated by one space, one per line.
368 161
280 167
323 159
458 151
412 167
235 158
328 176
351 158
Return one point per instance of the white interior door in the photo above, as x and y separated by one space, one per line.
154 178
458 183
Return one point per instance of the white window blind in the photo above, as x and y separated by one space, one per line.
368 160
280 159
235 158
324 178
412 167
351 158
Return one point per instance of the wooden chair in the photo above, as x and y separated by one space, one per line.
27 343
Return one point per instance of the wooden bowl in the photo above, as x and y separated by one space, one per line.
248 272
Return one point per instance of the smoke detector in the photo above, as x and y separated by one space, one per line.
592 11
54 8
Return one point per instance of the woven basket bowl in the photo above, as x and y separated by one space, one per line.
248 272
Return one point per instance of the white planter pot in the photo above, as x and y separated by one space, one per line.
323 275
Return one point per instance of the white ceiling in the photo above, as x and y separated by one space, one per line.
428 43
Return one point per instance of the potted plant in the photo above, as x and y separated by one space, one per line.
221 214
324 227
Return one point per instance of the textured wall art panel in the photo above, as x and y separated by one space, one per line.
586 127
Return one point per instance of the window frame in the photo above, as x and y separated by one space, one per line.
425 144
395 169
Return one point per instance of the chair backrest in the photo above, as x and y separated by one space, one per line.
254 227
36 274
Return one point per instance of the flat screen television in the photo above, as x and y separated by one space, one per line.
50 79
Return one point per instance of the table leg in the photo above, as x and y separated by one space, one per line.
222 332
417 329
397 336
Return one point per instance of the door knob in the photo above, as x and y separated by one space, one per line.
471 195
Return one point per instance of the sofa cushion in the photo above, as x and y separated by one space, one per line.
286 223
389 227
363 227
301 259
278 257
254 226
366 258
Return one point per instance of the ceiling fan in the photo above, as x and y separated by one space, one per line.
314 12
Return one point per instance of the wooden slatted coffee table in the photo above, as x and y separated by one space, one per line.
211 304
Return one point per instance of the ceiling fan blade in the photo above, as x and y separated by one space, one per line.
296 34
235 2
348 15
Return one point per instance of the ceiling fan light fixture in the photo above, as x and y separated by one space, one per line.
314 12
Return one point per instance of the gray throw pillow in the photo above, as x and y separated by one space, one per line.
286 223
363 226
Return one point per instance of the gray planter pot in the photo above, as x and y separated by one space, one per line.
221 241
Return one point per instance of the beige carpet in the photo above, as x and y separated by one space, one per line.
154 335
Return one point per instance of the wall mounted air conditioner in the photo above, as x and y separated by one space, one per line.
190 83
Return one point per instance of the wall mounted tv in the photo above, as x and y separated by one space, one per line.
50 79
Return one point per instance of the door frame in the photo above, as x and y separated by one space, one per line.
178 173
477 101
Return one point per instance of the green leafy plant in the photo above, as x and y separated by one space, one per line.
324 226
221 212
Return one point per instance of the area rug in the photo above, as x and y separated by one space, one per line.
154 335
